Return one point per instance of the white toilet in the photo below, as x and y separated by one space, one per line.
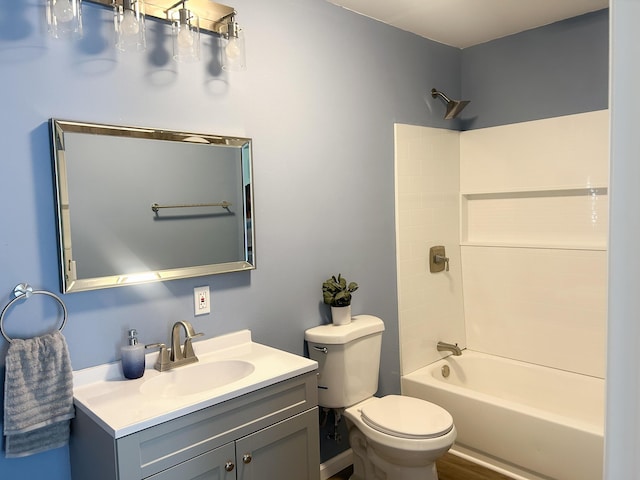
393 437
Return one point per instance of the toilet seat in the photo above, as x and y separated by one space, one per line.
406 417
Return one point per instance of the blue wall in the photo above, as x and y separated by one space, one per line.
320 96
559 69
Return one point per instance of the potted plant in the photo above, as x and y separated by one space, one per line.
336 292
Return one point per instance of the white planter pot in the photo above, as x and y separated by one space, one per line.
341 315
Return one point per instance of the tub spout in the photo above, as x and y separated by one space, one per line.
449 347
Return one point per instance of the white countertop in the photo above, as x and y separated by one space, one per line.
119 407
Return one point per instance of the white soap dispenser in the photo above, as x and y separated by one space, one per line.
133 357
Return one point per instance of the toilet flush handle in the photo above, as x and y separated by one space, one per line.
320 349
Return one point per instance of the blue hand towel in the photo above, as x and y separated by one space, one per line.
38 395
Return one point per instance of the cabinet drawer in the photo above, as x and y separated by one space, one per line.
158 448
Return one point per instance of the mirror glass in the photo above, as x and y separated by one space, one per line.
138 205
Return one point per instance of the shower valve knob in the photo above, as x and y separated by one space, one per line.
438 260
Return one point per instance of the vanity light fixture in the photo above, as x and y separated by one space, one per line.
187 18
186 34
234 51
64 18
128 18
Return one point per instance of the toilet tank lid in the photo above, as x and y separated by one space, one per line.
360 326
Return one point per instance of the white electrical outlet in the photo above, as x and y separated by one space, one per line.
201 300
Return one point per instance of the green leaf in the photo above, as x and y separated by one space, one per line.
336 292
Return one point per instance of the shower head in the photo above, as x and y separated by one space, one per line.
454 107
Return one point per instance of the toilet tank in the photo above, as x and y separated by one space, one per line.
348 359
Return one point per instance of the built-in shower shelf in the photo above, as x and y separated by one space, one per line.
538 192
568 217
547 246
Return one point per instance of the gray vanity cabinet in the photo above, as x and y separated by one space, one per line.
271 433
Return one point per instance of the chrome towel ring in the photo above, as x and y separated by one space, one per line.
24 291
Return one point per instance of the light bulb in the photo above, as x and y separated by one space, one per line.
185 37
233 59
130 25
232 50
63 11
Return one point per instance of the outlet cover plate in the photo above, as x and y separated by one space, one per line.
201 300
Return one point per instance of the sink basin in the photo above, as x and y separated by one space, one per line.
196 378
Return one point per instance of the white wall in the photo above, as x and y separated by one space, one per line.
622 430
427 212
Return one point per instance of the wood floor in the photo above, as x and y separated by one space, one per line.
449 467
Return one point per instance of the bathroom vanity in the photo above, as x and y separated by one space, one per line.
261 425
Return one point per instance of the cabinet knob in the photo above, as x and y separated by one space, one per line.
229 466
246 458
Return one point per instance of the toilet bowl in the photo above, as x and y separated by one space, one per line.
399 438
392 437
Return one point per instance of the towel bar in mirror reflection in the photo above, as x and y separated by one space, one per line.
107 176
156 206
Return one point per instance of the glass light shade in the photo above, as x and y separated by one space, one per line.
186 35
64 18
129 24
233 55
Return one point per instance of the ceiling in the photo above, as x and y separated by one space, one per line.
463 23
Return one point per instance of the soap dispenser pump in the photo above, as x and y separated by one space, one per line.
133 357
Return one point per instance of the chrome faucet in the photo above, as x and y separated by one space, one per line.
178 355
448 347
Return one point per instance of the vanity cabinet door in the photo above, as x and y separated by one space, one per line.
217 464
288 449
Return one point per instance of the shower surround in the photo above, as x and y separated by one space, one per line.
522 210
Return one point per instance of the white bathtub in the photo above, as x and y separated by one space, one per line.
526 421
